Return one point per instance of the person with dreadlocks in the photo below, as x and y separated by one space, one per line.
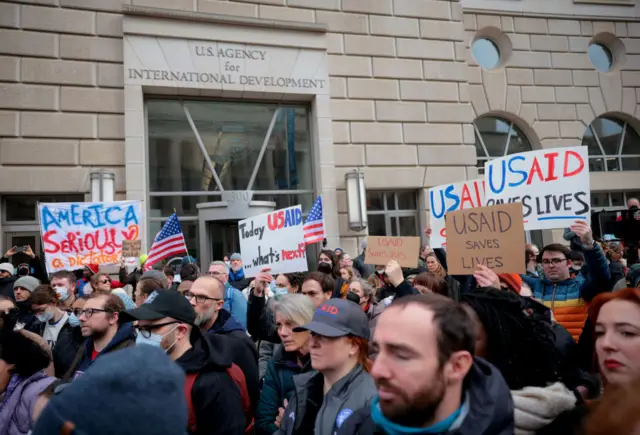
519 342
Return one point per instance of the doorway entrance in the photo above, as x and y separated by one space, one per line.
224 238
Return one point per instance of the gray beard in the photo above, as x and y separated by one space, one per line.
203 318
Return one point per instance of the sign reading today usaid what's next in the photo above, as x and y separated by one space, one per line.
274 240
221 65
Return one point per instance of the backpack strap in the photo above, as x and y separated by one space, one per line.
188 390
238 377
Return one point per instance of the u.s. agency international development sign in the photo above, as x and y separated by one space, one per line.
152 61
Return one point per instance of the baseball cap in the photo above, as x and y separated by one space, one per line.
337 318
162 303
7 267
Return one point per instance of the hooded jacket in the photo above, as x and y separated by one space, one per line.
242 350
124 337
64 353
217 402
16 410
276 387
568 299
235 303
489 412
309 411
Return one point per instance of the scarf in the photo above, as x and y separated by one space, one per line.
392 428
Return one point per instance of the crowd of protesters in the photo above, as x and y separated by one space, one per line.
349 348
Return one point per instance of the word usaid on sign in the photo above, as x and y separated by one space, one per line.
274 240
77 234
451 197
490 236
552 185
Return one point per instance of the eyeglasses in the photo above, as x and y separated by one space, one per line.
215 273
88 312
104 281
554 261
145 330
200 299
39 311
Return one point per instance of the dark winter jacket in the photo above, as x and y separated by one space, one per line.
69 341
6 287
365 270
216 398
260 322
242 349
131 278
125 337
276 387
311 412
570 422
36 269
26 318
487 407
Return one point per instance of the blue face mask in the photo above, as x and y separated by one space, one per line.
73 320
153 340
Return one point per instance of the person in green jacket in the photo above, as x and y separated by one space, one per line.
291 359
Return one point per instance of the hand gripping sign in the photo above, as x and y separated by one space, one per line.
553 186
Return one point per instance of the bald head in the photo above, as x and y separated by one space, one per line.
210 286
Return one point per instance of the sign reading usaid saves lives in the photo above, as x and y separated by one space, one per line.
273 240
451 197
77 234
552 185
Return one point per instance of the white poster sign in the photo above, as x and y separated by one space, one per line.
81 233
552 184
451 197
273 240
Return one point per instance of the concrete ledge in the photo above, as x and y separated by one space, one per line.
222 19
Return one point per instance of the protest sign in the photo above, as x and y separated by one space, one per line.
131 248
381 249
273 240
450 197
552 185
491 236
77 234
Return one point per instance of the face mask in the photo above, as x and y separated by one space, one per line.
45 317
279 292
73 320
63 293
228 263
324 268
154 339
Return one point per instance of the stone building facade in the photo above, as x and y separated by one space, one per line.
402 100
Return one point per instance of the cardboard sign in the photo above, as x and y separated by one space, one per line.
491 236
131 248
451 197
552 185
77 234
380 250
274 240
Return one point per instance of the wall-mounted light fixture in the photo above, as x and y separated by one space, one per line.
356 200
103 186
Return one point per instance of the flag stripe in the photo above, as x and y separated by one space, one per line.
169 241
313 228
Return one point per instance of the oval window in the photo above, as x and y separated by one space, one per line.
600 57
486 53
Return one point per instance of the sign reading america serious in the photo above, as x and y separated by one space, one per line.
231 73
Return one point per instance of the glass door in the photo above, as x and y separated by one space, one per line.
224 239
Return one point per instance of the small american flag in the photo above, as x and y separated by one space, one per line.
314 226
169 241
